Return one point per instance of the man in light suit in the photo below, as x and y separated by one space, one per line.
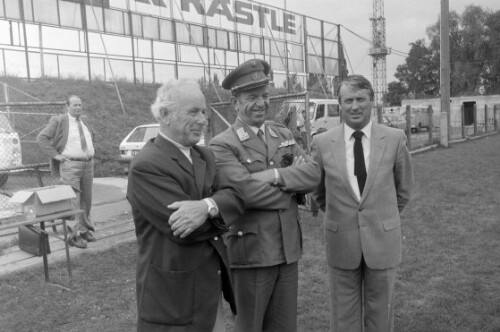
68 141
366 181
180 210
265 244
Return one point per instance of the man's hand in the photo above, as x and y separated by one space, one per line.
60 158
189 216
298 160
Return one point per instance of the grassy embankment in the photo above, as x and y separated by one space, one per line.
448 279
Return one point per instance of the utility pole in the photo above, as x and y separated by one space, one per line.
379 52
445 73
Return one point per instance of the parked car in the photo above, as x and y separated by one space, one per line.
10 149
394 120
137 138
419 118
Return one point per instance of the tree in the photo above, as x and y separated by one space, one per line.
474 56
420 73
395 94
492 64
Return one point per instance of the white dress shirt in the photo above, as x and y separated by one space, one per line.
73 148
349 151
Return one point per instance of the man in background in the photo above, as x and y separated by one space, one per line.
366 178
67 140
180 210
265 244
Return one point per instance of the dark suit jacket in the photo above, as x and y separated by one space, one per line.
370 227
179 281
268 233
53 138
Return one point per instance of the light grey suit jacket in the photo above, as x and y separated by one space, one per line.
370 227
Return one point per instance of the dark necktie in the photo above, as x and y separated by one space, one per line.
260 134
359 161
83 141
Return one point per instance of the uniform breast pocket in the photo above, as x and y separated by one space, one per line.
241 242
254 163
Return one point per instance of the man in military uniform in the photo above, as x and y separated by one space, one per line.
265 244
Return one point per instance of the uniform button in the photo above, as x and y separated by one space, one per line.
240 233
219 272
216 238
360 209
248 160
271 163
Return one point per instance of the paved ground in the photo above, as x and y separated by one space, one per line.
111 214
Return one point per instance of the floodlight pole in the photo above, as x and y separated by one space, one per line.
445 73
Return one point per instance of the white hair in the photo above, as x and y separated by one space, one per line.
167 96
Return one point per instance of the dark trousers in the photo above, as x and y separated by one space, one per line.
266 298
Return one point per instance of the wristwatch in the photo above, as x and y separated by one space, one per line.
212 209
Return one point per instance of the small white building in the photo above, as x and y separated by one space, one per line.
484 107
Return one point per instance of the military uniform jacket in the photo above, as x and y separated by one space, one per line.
269 232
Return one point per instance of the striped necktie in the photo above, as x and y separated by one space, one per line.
83 141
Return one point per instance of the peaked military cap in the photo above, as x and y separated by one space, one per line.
249 75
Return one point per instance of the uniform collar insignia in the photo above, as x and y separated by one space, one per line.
242 134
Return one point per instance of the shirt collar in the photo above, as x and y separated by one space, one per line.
348 131
181 147
253 128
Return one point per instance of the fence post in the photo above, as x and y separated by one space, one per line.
485 118
379 113
475 119
430 121
462 115
308 124
444 129
408 125
495 121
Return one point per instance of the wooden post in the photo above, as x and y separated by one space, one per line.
408 125
475 119
495 121
430 122
379 114
485 118
462 114
444 70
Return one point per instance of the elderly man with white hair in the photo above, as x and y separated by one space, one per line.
180 210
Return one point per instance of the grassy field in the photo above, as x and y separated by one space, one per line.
449 278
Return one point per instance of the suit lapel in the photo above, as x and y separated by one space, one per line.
199 168
173 152
339 158
377 147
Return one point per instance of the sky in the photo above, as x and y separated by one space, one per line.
406 22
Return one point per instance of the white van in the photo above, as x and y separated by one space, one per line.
323 113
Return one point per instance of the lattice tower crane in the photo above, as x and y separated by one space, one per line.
378 52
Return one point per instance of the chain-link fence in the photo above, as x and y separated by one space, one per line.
423 125
22 163
288 110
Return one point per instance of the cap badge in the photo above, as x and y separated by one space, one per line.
254 63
